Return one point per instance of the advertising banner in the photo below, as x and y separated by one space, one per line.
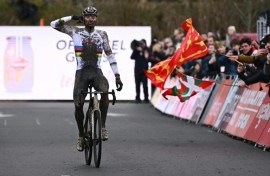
178 109
173 102
218 102
246 110
209 103
265 136
263 124
228 109
38 63
260 121
186 112
201 101
161 102
228 104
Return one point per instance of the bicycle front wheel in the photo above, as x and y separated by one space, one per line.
97 140
88 138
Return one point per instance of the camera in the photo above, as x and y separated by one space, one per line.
134 44
234 52
262 45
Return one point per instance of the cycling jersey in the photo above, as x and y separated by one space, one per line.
88 46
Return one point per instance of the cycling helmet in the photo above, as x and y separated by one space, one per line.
90 11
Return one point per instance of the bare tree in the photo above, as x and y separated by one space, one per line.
162 15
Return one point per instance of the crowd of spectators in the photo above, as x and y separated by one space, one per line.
245 58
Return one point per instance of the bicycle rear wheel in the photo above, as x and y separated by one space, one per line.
88 138
97 141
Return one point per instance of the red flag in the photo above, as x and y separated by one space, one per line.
192 47
189 86
159 73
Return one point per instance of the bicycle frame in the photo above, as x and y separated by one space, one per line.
93 117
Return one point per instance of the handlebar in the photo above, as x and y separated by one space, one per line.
98 92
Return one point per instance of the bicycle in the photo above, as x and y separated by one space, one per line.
92 127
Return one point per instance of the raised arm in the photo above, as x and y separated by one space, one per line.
60 24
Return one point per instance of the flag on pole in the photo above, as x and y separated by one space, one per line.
159 73
192 47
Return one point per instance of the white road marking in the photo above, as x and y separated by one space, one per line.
37 121
5 115
116 114
69 121
5 122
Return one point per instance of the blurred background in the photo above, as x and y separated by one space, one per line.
157 22
162 15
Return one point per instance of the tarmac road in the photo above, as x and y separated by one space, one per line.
38 139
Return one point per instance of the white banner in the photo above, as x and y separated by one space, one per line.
38 63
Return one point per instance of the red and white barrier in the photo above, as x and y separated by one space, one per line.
241 112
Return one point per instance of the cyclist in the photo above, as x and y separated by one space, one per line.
89 44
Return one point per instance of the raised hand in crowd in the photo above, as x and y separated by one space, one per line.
261 52
213 59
